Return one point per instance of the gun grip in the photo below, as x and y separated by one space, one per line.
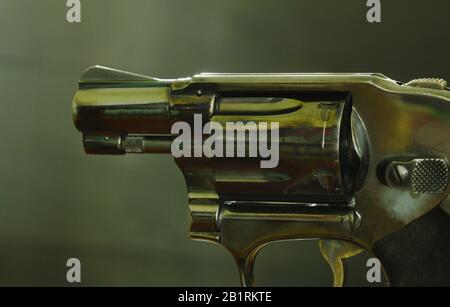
419 253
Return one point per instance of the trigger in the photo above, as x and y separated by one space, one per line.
245 266
334 251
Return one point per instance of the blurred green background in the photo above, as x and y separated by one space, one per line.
125 218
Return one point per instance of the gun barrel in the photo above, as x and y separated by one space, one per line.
113 109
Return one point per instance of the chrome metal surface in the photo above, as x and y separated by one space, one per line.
338 134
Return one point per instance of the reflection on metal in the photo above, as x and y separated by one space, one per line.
334 252
361 156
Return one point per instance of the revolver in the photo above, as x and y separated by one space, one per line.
357 160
